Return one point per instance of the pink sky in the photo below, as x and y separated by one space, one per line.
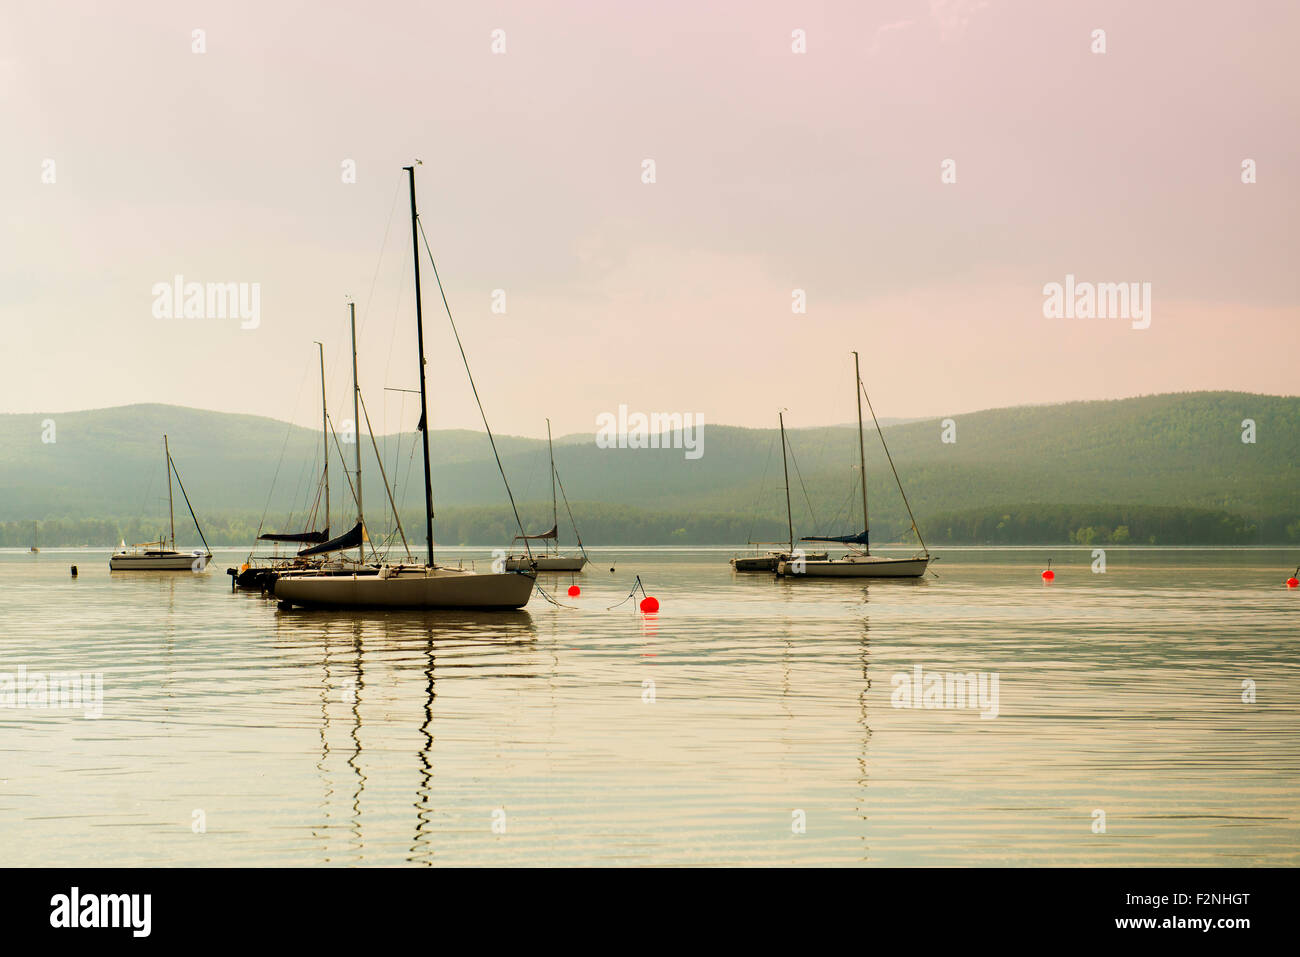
775 171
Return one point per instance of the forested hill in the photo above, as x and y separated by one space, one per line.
1175 462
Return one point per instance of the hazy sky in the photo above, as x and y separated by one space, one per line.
775 171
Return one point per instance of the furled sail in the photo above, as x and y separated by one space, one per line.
553 533
858 539
349 539
304 538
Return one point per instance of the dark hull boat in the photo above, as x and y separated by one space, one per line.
253 578
259 573
768 561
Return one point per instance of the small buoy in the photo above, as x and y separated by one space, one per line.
1292 582
74 572
574 591
1048 574
649 604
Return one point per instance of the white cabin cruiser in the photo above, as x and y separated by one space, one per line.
154 556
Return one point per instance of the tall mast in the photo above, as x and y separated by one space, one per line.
171 515
789 520
356 424
424 399
325 432
555 516
862 459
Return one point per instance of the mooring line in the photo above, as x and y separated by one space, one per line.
637 584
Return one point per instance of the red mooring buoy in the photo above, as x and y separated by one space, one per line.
1048 574
1293 583
649 604
574 591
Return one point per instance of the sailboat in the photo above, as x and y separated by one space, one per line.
859 562
767 562
550 560
409 585
153 556
34 532
259 574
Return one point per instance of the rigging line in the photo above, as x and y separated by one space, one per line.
392 443
384 475
635 585
396 439
570 511
188 505
301 488
379 261
803 488
392 210
400 487
297 492
410 464
392 341
271 491
500 467
762 483
310 510
557 604
897 480
314 512
853 487
349 478
385 542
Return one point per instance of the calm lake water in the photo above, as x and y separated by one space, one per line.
306 738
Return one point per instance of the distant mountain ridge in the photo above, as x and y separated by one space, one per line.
1172 450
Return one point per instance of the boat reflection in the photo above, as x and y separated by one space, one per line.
366 659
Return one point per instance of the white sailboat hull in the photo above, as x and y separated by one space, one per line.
166 562
766 563
857 566
547 563
406 588
154 556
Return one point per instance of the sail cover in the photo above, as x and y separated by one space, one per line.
305 538
858 539
349 539
553 533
